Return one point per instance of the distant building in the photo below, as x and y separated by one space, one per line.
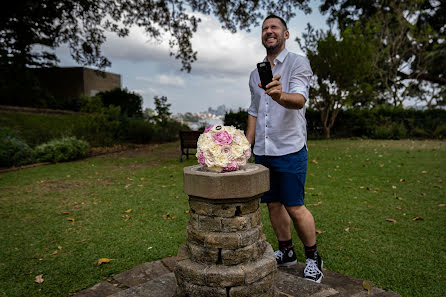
71 82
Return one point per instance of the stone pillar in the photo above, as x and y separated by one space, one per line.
226 254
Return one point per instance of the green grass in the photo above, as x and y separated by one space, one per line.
356 182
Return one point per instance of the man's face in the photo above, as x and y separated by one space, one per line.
274 35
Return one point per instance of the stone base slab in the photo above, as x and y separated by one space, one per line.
212 275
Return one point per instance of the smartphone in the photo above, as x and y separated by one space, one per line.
265 73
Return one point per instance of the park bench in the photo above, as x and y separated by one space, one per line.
188 139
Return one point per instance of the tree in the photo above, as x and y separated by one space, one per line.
82 25
343 72
162 109
409 37
129 102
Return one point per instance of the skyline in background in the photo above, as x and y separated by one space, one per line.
220 75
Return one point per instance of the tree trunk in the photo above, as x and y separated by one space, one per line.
324 120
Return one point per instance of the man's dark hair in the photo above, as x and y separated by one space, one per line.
273 16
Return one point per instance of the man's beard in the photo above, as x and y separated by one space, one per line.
274 49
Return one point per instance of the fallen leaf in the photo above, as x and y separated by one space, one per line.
163 186
165 216
424 171
177 197
310 189
186 211
142 178
319 231
314 161
367 286
442 204
39 279
393 187
417 219
55 252
103 260
317 204
71 219
128 211
398 207
59 247
402 180
149 248
127 185
347 229
126 217
65 213
423 194
329 176
391 220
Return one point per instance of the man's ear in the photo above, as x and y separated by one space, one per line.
287 34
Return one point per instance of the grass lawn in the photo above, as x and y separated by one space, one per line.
58 220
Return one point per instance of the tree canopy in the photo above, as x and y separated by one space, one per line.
82 25
411 34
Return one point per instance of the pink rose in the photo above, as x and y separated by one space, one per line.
222 138
201 159
233 166
209 128
247 153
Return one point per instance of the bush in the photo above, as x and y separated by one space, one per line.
390 131
63 149
139 131
237 119
13 150
129 102
440 131
169 131
102 125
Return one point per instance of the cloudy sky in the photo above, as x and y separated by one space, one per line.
219 76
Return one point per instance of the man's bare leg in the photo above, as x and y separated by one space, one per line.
303 223
280 220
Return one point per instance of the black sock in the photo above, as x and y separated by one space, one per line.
311 251
285 244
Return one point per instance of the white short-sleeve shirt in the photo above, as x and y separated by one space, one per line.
279 130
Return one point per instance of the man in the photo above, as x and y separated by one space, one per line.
277 126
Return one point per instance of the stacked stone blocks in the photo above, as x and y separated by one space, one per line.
226 253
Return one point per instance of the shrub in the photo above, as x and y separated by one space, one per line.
101 126
129 102
237 119
13 150
138 131
440 131
63 149
390 131
168 131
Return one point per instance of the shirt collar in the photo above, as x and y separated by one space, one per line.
280 58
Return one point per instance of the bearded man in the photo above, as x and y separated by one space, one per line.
277 127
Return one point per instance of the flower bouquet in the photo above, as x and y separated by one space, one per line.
222 149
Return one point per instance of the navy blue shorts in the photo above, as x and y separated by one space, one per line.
287 177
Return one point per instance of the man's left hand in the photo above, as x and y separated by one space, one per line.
274 88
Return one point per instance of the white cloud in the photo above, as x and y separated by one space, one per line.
220 53
165 80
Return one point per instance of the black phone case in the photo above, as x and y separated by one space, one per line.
265 73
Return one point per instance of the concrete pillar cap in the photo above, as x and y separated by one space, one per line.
251 180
